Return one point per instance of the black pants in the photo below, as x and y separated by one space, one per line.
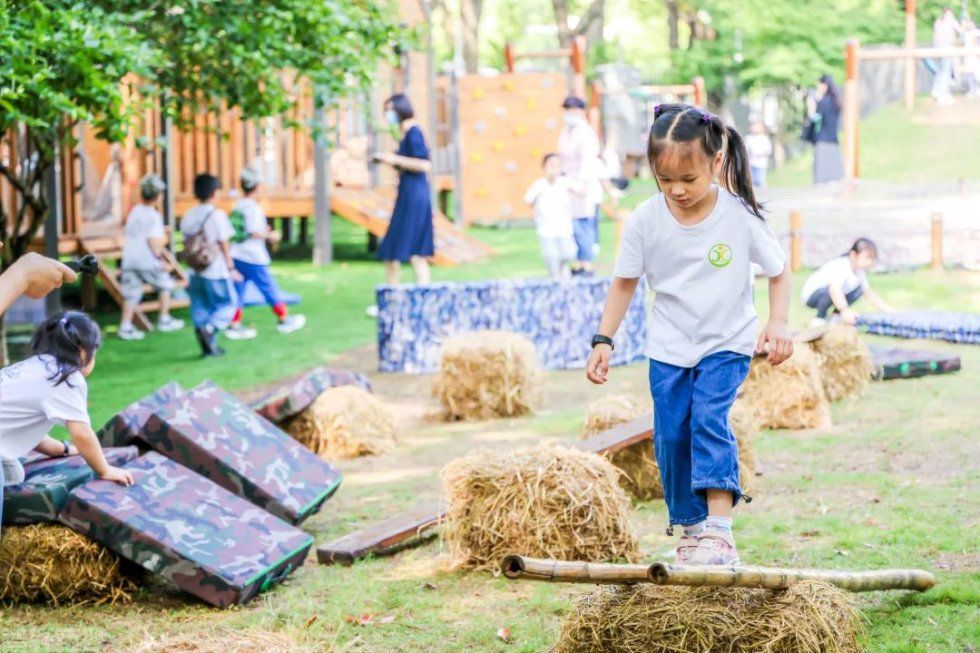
820 300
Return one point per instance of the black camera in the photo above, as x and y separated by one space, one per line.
88 264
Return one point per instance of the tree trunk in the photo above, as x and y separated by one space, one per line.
470 12
692 24
673 20
560 8
596 26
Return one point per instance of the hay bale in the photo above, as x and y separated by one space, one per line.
787 396
638 463
344 422
53 564
846 367
487 374
224 640
806 618
546 502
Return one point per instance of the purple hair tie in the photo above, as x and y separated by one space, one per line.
706 117
656 111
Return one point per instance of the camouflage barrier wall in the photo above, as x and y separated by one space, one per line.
173 522
47 482
125 428
293 398
216 435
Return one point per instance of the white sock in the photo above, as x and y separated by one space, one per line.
125 326
694 529
723 524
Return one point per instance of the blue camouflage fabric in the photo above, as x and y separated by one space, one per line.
202 538
937 325
125 428
47 482
223 439
559 317
295 397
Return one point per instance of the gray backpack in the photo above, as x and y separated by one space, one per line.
199 252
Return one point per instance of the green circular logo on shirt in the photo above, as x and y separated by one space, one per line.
720 255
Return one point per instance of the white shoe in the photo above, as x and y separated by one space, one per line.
816 323
372 310
239 332
170 324
129 332
292 323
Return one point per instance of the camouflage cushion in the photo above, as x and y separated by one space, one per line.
909 363
219 437
293 398
124 428
47 482
205 540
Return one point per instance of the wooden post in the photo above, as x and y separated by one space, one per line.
322 240
937 241
458 207
796 241
52 224
699 96
170 179
851 109
509 57
909 85
578 66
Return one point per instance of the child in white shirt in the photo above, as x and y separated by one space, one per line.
47 389
551 197
840 282
759 146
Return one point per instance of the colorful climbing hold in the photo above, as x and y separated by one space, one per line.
478 93
509 85
520 130
476 157
498 146
531 104
482 192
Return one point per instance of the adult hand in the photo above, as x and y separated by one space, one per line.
236 276
780 344
597 369
37 275
848 316
274 237
122 476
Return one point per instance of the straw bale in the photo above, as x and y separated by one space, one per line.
548 502
809 617
53 564
487 374
790 395
345 422
225 640
638 463
845 363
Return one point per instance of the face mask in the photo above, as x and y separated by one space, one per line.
570 119
391 117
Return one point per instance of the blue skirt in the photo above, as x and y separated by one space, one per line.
410 232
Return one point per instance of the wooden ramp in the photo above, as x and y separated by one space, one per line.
108 248
415 525
371 209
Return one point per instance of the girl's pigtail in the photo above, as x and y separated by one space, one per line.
735 173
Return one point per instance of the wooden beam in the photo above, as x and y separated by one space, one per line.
322 237
851 109
796 241
937 241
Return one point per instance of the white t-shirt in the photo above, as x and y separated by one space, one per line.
143 223
30 403
701 275
578 149
252 250
836 272
760 149
217 228
552 206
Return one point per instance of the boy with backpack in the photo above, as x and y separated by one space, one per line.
207 252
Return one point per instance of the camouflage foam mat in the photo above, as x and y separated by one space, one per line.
175 523
296 396
126 427
910 363
47 482
216 435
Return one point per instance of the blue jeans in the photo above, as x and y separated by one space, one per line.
261 277
584 230
695 447
820 300
1 501
758 176
213 302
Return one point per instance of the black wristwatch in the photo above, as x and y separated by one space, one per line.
599 339
64 443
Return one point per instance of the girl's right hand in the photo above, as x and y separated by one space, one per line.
848 316
118 475
597 369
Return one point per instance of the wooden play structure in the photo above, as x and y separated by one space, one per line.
910 54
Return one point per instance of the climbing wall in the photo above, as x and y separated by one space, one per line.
506 125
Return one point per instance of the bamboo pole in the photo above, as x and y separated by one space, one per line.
700 97
796 241
517 567
937 241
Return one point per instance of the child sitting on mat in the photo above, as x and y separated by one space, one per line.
251 258
551 198
695 243
841 282
49 388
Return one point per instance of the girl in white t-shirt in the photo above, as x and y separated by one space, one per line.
551 197
695 243
840 282
49 388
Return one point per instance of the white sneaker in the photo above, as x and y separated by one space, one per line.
292 323
170 324
816 323
129 332
372 310
239 332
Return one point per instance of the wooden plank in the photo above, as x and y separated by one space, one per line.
382 536
403 529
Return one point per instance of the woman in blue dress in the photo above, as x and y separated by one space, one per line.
409 238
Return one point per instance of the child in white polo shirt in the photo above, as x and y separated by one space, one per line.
551 197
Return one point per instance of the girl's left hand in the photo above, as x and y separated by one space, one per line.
776 335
